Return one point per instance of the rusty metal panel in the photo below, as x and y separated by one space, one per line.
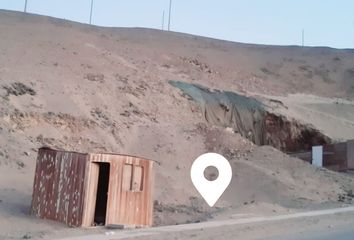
350 154
335 156
132 206
58 190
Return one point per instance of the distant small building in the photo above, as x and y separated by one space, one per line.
336 157
85 189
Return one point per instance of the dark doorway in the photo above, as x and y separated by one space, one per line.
102 194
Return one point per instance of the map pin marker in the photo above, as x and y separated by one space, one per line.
211 191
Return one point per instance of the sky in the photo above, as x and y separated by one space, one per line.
275 22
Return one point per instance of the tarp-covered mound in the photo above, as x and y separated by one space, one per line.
245 115
251 118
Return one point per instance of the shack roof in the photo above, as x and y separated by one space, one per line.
103 153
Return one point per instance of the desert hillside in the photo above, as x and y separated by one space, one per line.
85 88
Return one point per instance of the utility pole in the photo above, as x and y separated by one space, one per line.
25 9
169 16
303 37
91 12
163 20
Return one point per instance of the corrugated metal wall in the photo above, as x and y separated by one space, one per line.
336 157
350 154
130 200
58 191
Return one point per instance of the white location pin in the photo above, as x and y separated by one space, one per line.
211 191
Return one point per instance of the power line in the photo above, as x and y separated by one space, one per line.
91 12
169 16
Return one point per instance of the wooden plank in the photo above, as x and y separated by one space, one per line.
137 179
127 177
112 205
86 212
90 198
83 159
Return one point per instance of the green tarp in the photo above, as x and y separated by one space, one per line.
228 109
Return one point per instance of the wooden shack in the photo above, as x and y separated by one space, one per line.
85 189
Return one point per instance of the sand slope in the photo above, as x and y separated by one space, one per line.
85 88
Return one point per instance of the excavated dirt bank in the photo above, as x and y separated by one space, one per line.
291 135
252 119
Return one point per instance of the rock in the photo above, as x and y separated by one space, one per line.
95 77
20 164
18 89
27 236
230 130
110 233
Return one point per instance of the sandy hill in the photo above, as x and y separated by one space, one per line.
86 88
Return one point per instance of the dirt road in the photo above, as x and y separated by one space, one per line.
241 228
343 233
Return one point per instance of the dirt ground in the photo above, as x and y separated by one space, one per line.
273 230
91 89
291 226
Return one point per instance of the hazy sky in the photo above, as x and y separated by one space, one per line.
278 22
